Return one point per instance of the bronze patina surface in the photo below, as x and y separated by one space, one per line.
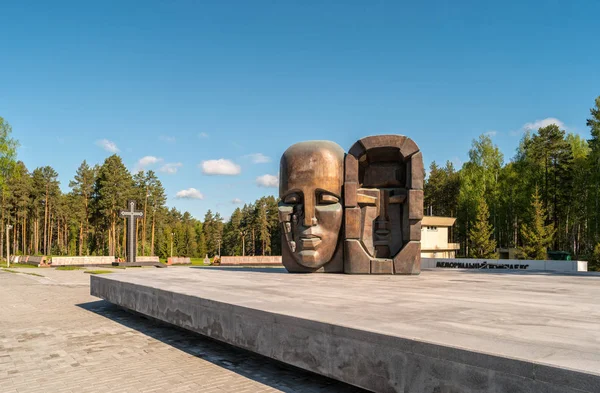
383 206
310 209
375 191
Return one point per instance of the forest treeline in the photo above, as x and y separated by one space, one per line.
85 220
546 197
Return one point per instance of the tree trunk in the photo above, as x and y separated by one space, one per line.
112 247
15 231
46 222
49 249
144 224
36 225
2 228
58 236
24 233
152 237
81 238
85 221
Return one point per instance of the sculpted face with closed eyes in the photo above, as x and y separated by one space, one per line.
310 206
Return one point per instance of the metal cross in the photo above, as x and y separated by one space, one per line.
132 216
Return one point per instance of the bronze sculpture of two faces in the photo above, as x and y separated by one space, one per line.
358 212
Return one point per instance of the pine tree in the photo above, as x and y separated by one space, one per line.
8 151
482 244
538 236
552 157
263 227
113 188
595 259
83 188
594 162
20 192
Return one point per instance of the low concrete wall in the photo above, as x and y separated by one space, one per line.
179 261
147 259
251 260
35 260
82 261
510 264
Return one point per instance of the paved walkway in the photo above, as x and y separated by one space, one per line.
55 337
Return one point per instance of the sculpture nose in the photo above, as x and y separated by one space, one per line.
309 210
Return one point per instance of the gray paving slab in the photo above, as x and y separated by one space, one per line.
442 331
55 337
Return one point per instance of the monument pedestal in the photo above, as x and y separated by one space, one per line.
441 331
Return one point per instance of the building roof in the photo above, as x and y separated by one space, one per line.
438 221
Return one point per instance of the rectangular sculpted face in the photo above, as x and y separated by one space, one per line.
383 185
382 177
310 210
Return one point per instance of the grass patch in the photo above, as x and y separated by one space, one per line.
15 271
70 268
98 271
17 265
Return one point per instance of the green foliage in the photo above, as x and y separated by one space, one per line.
253 230
112 190
69 268
537 236
8 152
478 180
594 262
564 167
482 244
441 190
551 156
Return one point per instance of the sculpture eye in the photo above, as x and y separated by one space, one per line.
328 199
292 199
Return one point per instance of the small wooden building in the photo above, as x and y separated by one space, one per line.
435 233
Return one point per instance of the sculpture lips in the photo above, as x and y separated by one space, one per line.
310 242
382 232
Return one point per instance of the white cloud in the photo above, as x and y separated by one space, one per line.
107 145
491 133
190 193
259 158
168 139
220 167
171 168
457 162
269 181
534 126
203 135
237 201
146 161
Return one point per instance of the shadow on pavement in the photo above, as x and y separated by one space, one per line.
250 365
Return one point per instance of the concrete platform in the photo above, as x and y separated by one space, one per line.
444 331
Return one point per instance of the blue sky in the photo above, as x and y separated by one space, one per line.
184 82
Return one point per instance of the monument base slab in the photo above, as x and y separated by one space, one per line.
138 264
449 331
